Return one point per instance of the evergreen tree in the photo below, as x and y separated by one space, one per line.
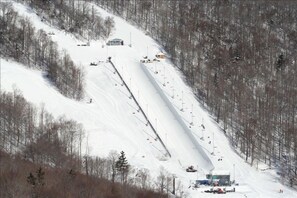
40 176
280 62
31 179
38 180
122 166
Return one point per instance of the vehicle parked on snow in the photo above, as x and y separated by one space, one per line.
160 55
205 182
191 169
216 191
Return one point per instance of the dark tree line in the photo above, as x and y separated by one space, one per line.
20 41
240 58
76 17
31 138
41 138
22 178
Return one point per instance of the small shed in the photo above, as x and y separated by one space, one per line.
219 177
160 55
115 41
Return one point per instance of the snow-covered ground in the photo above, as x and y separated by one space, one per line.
112 121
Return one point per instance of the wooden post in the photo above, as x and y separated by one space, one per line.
173 185
0 75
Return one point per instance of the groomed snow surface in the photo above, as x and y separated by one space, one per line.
112 121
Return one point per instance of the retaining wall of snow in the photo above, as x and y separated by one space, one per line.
207 162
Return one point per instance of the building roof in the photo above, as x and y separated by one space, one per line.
220 172
160 53
116 39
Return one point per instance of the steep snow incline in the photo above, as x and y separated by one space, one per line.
113 123
183 149
180 132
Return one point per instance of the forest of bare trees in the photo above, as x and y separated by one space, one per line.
34 132
42 155
34 48
22 178
76 17
22 42
240 59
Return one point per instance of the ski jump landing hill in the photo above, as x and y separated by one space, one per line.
189 151
204 161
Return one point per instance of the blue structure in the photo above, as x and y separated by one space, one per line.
115 41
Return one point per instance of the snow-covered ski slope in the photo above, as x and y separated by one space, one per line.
112 121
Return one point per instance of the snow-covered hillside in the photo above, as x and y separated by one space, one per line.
113 121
